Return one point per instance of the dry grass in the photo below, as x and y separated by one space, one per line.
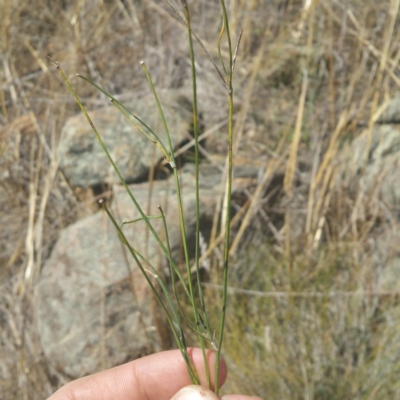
316 323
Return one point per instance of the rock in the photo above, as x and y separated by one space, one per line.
85 307
83 160
387 259
382 169
392 113
88 317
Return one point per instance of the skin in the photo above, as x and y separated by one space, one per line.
155 377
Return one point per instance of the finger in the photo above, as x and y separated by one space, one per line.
155 377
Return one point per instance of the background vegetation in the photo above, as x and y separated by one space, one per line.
311 249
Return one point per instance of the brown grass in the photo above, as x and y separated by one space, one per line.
316 323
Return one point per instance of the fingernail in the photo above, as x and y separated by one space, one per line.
194 392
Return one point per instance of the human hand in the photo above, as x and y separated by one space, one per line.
156 377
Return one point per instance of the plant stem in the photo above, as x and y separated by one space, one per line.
197 178
228 194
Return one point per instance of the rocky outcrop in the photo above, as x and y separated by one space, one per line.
378 157
391 115
369 170
370 165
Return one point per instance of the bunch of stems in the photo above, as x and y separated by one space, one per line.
175 315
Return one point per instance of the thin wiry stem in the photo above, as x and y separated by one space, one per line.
221 34
132 221
199 41
197 179
172 272
172 265
229 190
236 51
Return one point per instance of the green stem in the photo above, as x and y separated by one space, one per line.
229 190
138 219
196 158
221 33
172 272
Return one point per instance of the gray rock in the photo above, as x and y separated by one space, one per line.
386 259
392 112
88 317
83 160
382 169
